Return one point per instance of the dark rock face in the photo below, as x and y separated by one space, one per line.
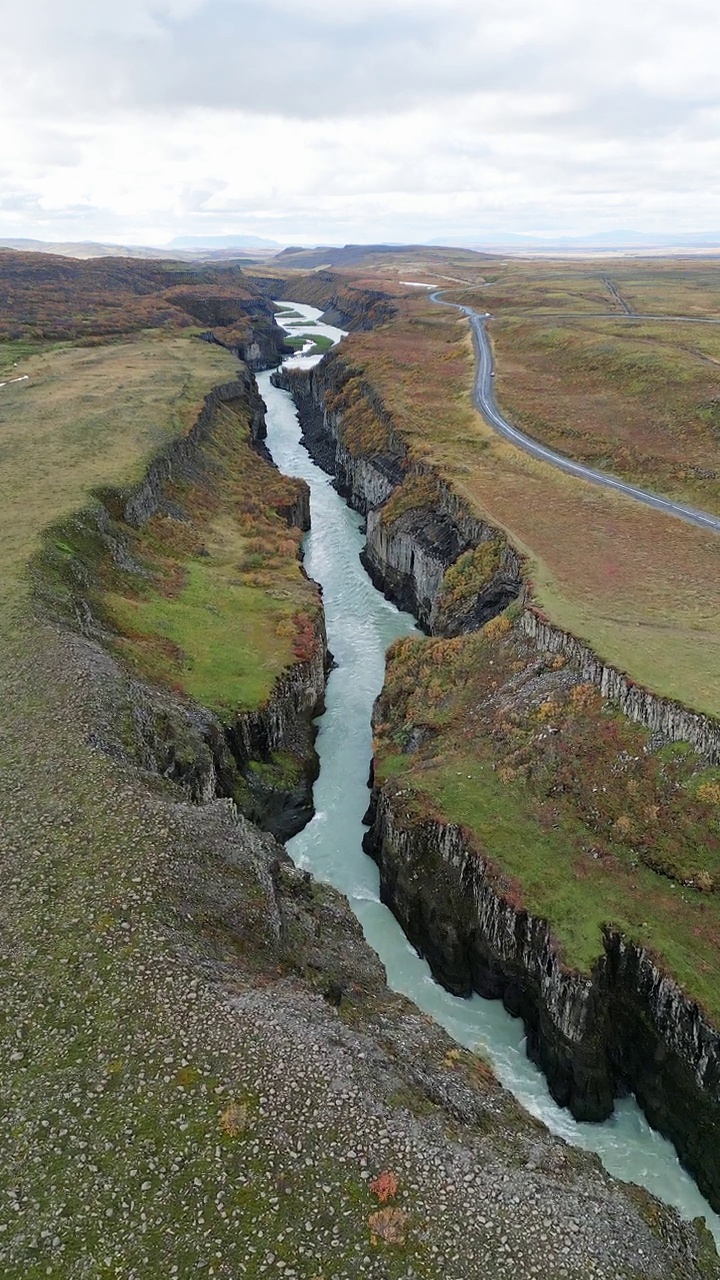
474 940
264 760
669 1055
281 799
407 558
264 343
624 1027
662 716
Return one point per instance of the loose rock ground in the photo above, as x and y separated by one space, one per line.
203 1068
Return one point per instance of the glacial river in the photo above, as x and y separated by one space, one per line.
360 626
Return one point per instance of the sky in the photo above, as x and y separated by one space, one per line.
312 122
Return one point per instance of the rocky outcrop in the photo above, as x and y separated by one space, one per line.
624 1027
662 716
244 325
264 760
260 347
408 559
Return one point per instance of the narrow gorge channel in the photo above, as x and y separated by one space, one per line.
360 625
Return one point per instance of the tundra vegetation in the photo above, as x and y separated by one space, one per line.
639 587
170 1067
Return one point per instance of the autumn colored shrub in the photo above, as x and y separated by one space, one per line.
385 1186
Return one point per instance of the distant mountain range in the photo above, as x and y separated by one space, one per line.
598 240
203 249
249 249
222 242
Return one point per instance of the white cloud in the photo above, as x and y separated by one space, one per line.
395 118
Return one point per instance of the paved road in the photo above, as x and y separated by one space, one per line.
485 401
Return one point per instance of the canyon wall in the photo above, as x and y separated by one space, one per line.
407 556
263 759
663 716
624 1027
349 307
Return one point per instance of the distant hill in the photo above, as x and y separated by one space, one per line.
350 255
87 249
222 242
48 297
605 240
84 249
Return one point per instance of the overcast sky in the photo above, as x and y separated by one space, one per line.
139 120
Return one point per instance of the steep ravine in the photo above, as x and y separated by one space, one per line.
626 1027
410 549
264 759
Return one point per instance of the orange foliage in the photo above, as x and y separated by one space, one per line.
384 1186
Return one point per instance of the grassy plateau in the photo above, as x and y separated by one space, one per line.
642 589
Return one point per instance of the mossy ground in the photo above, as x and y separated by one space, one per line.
583 825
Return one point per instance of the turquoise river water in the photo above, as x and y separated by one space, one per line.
360 626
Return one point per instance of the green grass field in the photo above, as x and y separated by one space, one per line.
89 417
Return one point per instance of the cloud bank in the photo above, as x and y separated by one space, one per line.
378 120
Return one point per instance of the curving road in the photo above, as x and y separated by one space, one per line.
484 400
